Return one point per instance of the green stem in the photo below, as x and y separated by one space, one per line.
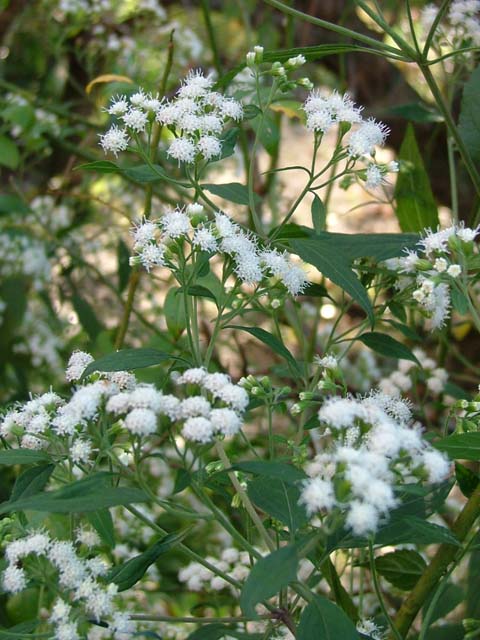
244 498
441 12
197 620
378 591
439 564
343 31
451 126
211 35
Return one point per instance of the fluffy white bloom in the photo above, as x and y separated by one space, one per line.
374 176
87 536
195 85
175 223
318 494
141 422
454 270
80 451
225 421
215 382
14 579
436 464
204 239
152 255
136 119
194 406
77 364
183 150
369 135
192 376
118 106
115 140
198 429
209 146
362 517
144 233
60 611
327 362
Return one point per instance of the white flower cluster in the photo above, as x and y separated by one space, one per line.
325 111
462 27
405 377
83 596
197 116
431 271
234 563
216 410
221 235
42 121
368 447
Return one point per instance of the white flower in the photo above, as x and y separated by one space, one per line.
204 239
454 270
152 255
194 406
66 631
77 364
369 135
318 494
118 106
374 176
175 223
328 362
209 146
144 233
225 421
60 611
136 120
114 140
440 265
192 376
362 517
436 465
182 149
198 429
80 451
86 536
141 422
14 579
195 85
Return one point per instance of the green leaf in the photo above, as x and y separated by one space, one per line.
416 207
452 595
387 346
31 481
19 630
466 478
251 111
102 522
324 619
335 266
268 132
319 214
199 291
231 191
123 261
22 456
229 141
446 632
430 533
87 316
469 122
174 310
102 166
401 568
274 469
415 112
275 344
145 173
279 500
129 359
89 494
268 576
130 572
461 446
315 290
459 301
9 155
